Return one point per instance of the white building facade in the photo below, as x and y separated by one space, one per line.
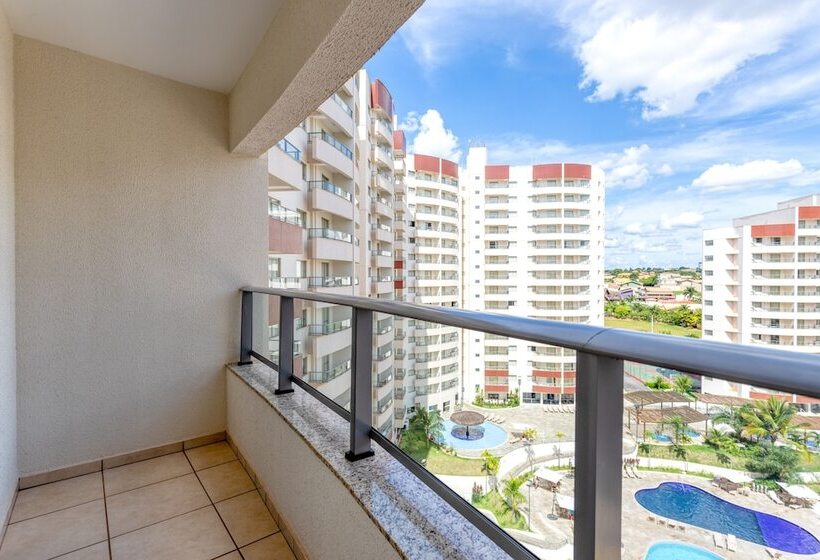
433 198
533 247
761 285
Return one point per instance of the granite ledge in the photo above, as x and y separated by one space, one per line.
417 522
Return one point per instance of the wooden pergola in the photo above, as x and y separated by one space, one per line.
641 399
663 415
721 400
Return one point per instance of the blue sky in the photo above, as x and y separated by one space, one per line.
697 111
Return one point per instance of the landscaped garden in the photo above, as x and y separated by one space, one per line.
764 437
420 442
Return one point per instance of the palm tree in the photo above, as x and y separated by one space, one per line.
679 429
429 423
733 417
683 384
559 436
644 449
680 453
772 419
658 383
512 493
490 465
690 293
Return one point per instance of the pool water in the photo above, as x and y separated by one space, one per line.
668 550
689 504
494 435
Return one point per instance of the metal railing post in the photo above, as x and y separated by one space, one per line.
246 332
285 345
361 386
598 457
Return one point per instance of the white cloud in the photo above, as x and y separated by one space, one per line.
627 169
432 137
727 175
410 122
665 169
666 55
684 219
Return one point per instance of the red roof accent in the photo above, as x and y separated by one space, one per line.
773 230
449 168
380 97
398 264
430 164
805 399
546 171
545 389
497 388
544 373
399 140
568 390
496 172
577 171
398 284
496 373
809 212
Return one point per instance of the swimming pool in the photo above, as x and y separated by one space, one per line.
690 504
670 550
494 435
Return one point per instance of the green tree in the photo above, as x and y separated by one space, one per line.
691 293
560 437
679 430
722 442
489 466
650 280
644 449
511 490
733 417
683 384
679 452
723 459
429 423
658 383
772 419
775 463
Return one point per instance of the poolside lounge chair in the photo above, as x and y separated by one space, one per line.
671 525
719 539
773 554
731 543
682 528
650 518
661 521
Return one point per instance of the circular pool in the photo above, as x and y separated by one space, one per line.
673 550
492 435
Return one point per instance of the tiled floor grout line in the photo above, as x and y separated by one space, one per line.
161 521
107 526
213 505
73 551
55 511
149 484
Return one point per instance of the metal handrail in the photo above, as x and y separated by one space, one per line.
600 356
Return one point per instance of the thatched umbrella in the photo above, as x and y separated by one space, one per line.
467 418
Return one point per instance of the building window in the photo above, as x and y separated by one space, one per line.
709 258
708 302
708 242
708 332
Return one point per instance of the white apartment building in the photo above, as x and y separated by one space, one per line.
332 230
433 197
533 247
761 285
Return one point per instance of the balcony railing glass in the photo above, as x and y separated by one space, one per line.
330 139
331 188
289 149
330 234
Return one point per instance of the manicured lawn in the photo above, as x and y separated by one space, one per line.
706 455
494 502
646 326
702 454
437 461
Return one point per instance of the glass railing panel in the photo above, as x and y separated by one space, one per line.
331 188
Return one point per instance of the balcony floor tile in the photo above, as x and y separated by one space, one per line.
160 510
210 455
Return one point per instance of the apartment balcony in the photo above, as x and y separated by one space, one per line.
329 244
331 284
382 207
382 158
327 197
382 258
382 284
326 149
327 338
339 112
285 167
400 168
382 130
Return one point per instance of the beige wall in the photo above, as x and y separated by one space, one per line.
135 228
8 375
317 507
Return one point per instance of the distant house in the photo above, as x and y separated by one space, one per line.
659 294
